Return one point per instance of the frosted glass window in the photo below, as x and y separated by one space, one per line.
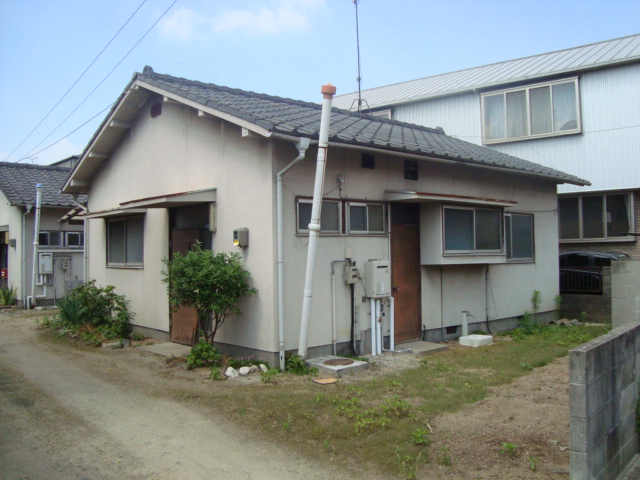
125 240
618 211
516 114
595 217
488 229
533 111
330 216
592 219
358 218
366 218
458 229
519 236
473 230
540 101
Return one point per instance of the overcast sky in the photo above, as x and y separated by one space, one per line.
287 48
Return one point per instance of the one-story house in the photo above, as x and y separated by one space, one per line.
60 258
465 228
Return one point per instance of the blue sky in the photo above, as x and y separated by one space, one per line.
280 47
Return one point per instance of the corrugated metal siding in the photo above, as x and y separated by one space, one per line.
607 153
576 59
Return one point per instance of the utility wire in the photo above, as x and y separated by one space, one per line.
74 84
108 74
70 133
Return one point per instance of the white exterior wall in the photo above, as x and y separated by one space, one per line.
607 153
20 258
464 287
178 152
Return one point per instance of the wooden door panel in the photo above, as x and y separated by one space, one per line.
406 280
184 321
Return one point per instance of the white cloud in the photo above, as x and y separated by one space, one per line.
280 16
182 24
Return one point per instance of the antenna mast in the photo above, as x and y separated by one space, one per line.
359 79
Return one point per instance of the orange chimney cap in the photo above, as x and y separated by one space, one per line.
328 91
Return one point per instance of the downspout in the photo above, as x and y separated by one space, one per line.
328 91
36 243
85 226
302 145
24 255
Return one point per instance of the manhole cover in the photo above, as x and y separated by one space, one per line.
336 362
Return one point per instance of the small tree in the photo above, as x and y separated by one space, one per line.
211 283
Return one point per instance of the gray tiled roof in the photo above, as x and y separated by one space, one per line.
18 183
562 62
302 119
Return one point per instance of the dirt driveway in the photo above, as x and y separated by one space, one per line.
66 413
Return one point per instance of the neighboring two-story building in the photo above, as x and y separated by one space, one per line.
576 110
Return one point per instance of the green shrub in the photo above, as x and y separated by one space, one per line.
93 314
8 295
203 354
295 364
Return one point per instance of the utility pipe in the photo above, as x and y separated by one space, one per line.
334 328
23 241
302 145
392 343
374 330
85 229
465 323
328 91
36 243
379 326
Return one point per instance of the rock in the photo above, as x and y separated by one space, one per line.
244 371
263 368
253 369
231 372
575 322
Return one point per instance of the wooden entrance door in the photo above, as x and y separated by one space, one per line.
184 321
405 270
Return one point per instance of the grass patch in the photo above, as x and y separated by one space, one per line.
372 421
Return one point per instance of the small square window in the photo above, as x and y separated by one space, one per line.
125 240
366 218
410 170
472 230
74 239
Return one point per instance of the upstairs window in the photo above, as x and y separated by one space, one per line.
595 217
125 239
518 236
472 230
539 110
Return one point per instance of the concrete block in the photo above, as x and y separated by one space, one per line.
625 303
628 370
629 449
476 340
578 435
628 400
577 400
612 468
577 367
578 466
596 460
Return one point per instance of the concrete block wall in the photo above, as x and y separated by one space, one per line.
603 395
625 292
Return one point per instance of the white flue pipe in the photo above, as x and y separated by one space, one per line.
379 326
334 329
302 145
392 327
374 330
328 91
36 243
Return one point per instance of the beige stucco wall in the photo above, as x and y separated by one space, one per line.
178 152
464 286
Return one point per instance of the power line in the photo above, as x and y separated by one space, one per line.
70 133
108 74
73 85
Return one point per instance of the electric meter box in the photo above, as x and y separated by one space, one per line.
377 275
350 274
45 263
241 237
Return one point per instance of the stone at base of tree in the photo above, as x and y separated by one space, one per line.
263 368
231 372
244 371
253 369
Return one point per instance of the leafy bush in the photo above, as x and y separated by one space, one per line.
93 314
8 295
203 354
211 283
295 364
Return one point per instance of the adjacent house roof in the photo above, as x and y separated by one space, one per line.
278 117
537 67
18 184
